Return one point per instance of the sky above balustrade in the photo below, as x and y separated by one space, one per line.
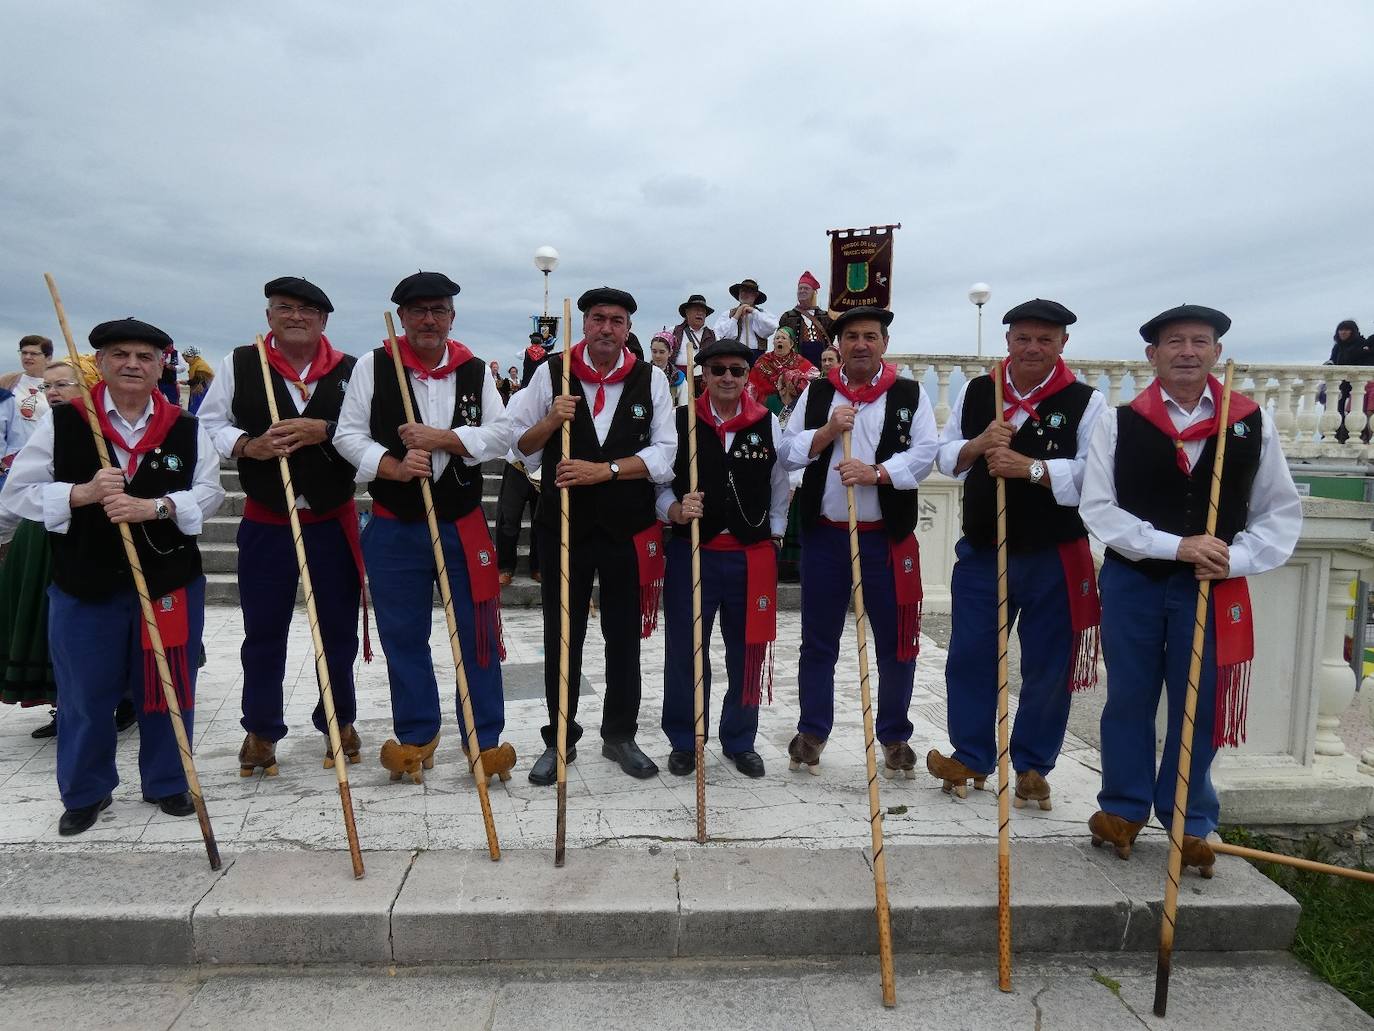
165 160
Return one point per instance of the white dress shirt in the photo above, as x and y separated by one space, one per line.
31 493
30 405
434 399
1066 474
905 469
1275 520
758 323
216 412
534 401
779 481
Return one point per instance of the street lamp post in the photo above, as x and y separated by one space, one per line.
979 293
546 260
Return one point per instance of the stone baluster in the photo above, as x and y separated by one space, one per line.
1355 419
1116 377
1335 679
943 370
1283 405
1309 417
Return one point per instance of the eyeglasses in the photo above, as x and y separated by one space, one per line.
738 371
438 312
306 310
62 384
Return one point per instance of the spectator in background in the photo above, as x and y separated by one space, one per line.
661 353
513 378
830 358
30 405
1348 347
199 376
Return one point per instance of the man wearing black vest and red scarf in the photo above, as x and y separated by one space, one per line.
741 501
1039 450
893 446
461 424
164 484
622 444
309 378
1145 495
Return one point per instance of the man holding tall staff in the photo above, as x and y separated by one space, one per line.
166 481
623 441
893 447
309 378
1145 495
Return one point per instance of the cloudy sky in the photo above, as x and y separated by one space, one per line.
165 160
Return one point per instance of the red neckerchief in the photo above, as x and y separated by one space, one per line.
535 352
455 355
320 366
750 412
1150 405
164 415
867 392
1060 378
587 374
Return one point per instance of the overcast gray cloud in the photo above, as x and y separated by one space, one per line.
166 160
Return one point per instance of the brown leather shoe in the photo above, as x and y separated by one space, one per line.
805 750
349 742
953 773
1196 852
257 753
535 576
498 761
506 578
409 760
1109 827
899 760
1031 786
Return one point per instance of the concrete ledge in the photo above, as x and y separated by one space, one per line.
300 907
97 909
603 904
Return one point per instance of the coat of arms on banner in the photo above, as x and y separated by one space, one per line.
861 267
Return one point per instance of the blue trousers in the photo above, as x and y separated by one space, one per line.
268 576
826 591
401 575
1147 639
723 576
1038 603
97 657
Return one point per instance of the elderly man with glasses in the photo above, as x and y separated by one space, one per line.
309 378
461 424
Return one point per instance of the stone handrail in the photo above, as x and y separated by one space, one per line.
1307 428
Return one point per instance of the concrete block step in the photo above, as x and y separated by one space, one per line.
233 505
224 530
222 588
229 478
680 903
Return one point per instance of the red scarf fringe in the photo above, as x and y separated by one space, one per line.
484 584
905 556
174 628
1235 647
1085 612
652 566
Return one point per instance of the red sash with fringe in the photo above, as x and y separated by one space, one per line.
760 612
1085 612
904 556
653 564
174 627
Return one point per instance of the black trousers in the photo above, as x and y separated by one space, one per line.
516 493
593 556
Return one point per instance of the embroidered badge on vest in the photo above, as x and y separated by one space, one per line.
637 411
172 462
1056 420
1240 429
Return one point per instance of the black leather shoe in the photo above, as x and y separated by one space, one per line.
48 729
74 821
545 769
681 763
748 763
125 717
179 804
630 758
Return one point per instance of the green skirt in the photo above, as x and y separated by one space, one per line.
25 668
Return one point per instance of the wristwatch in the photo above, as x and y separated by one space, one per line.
615 471
162 509
1037 471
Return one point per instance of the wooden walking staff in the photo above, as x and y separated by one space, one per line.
446 595
1003 724
1310 865
560 832
164 672
1185 734
321 666
875 813
698 690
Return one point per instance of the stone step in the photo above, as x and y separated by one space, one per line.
224 530
233 505
679 903
491 479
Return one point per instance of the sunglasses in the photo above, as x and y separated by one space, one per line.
738 371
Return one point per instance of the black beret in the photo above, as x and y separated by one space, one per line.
726 347
423 285
301 289
862 312
1185 313
1040 310
606 295
121 330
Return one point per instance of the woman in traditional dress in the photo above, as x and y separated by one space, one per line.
661 351
766 378
830 359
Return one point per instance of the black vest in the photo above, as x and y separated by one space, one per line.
622 508
898 507
459 490
318 472
88 561
738 485
1151 486
1034 519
